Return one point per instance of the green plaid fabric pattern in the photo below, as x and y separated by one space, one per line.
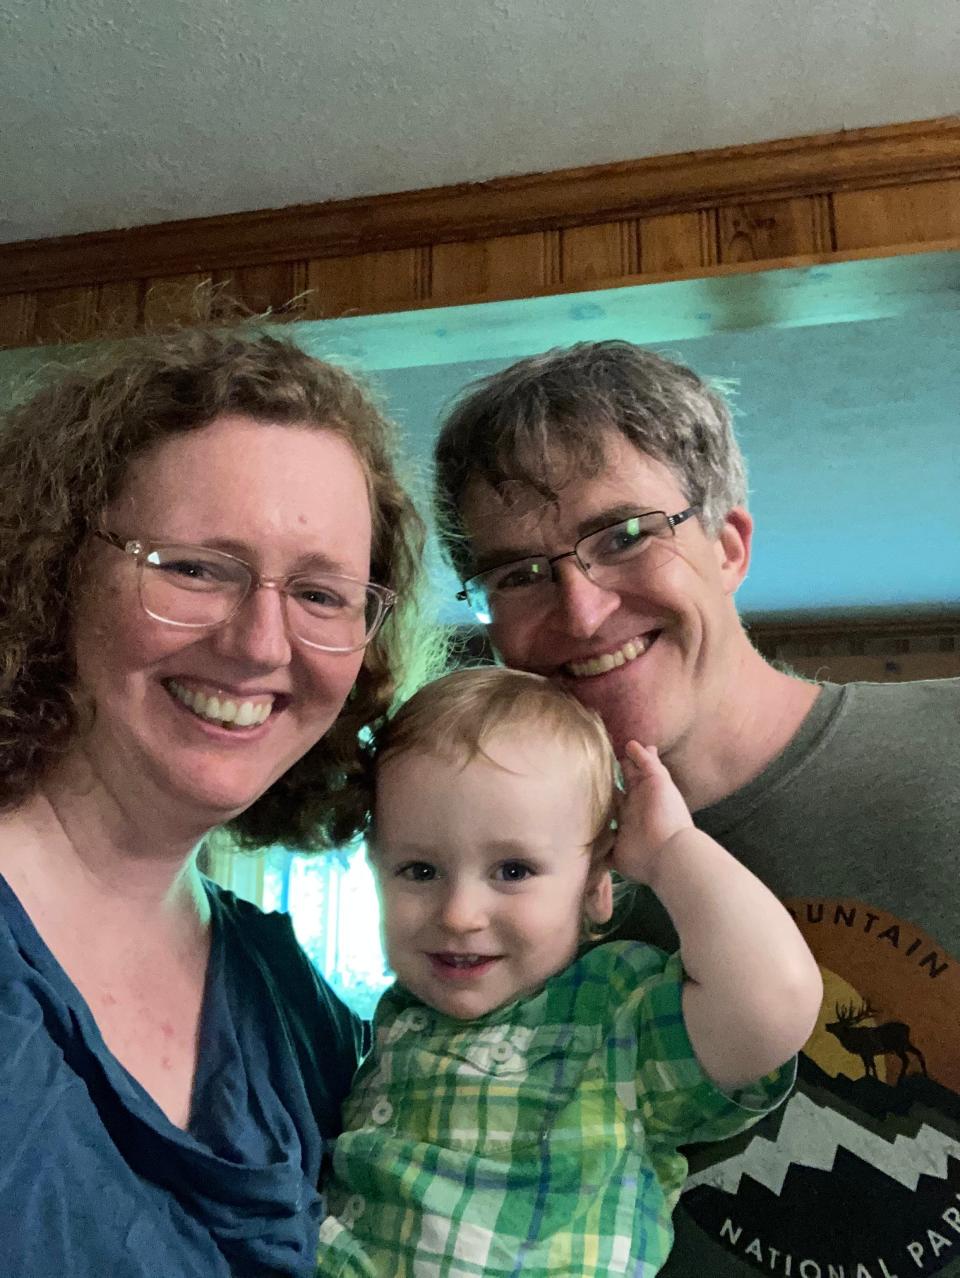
539 1140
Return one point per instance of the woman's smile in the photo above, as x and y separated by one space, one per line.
228 709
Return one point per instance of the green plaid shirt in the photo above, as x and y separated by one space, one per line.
539 1140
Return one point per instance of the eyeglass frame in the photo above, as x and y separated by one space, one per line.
138 549
673 521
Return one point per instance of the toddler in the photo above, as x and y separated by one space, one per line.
521 1109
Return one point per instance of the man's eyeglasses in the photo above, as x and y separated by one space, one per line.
200 589
610 557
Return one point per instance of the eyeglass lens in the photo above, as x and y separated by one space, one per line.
608 556
190 586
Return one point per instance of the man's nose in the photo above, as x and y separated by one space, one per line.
583 606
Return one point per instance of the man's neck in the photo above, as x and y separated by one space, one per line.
754 718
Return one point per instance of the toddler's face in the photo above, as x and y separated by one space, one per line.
484 870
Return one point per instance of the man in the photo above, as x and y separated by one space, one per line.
592 501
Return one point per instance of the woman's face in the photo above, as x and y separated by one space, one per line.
285 499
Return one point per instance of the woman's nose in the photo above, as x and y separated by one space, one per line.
257 633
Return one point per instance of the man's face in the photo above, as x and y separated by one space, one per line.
655 655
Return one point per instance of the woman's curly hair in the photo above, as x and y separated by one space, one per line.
64 456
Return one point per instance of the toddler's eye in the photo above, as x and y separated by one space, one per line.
416 872
513 872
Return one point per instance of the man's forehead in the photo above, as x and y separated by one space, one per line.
515 517
514 502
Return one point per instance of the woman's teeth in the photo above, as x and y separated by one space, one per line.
632 649
221 709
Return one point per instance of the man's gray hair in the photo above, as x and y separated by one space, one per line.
542 422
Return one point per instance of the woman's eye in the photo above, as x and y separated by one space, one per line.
319 597
417 872
513 872
193 570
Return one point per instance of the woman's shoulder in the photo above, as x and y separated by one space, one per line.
267 941
234 911
248 933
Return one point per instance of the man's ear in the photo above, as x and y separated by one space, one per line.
598 902
733 547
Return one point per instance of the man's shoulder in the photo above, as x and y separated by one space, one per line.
911 689
918 706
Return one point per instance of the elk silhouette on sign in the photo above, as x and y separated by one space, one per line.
870 1041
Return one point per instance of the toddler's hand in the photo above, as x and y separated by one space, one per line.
651 812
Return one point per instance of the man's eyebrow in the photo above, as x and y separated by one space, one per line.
497 556
613 515
500 555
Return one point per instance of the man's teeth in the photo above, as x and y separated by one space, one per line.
241 714
464 960
632 649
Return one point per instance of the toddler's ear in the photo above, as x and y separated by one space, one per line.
598 903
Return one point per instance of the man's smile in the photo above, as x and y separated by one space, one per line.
607 661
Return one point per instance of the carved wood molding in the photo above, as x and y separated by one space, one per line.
856 159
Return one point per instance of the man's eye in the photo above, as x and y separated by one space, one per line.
513 872
529 572
417 872
621 539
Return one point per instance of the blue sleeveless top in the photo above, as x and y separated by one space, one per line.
95 1180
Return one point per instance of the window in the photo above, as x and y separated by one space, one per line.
336 916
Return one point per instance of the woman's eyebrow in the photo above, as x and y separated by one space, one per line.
249 553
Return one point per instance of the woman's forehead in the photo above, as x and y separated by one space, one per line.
241 481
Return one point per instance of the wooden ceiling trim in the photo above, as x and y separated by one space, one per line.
850 160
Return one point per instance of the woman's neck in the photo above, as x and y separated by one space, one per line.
127 918
71 842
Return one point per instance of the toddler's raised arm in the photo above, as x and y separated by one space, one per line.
753 988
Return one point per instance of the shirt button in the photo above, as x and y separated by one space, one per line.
417 1021
501 1053
354 1208
382 1112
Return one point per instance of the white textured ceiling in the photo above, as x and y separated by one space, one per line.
124 112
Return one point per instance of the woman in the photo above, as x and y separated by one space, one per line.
207 569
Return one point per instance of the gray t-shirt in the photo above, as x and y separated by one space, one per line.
856 826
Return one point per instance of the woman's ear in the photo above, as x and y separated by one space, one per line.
598 902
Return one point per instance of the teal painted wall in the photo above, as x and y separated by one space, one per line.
847 403
852 438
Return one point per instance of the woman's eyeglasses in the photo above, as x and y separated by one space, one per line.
200 589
